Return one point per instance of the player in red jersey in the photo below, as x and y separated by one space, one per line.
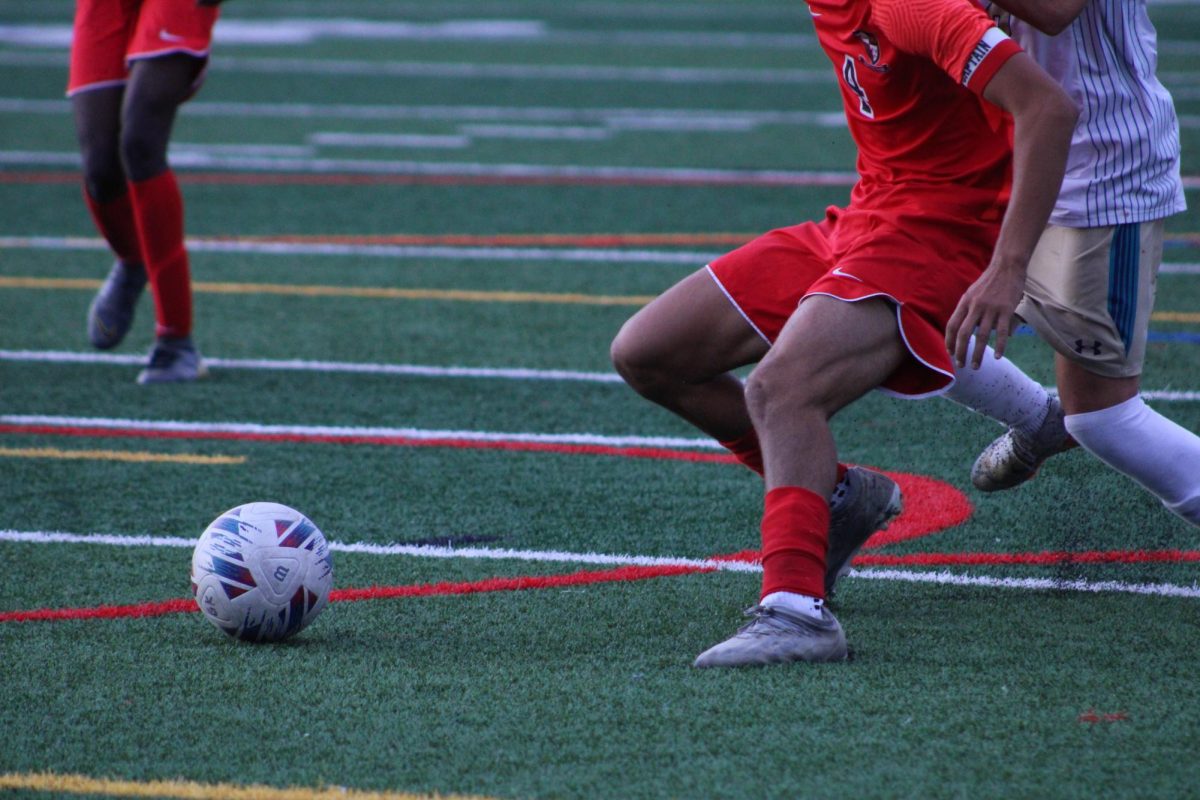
950 188
133 62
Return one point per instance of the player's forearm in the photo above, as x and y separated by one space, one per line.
1041 140
1048 16
1043 120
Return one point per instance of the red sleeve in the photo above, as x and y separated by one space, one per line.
957 35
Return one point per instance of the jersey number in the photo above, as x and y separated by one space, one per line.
850 76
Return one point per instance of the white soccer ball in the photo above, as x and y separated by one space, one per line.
261 572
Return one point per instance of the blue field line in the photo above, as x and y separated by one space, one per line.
1174 337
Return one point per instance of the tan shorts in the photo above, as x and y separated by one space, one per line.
1090 292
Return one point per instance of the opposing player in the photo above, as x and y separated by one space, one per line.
860 299
133 62
1090 287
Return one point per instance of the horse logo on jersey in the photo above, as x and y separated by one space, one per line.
871 61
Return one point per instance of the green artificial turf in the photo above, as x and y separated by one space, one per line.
583 691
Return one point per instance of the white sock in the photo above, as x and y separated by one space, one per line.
1139 442
1001 391
796 603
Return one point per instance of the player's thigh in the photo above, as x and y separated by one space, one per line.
1090 293
833 351
158 86
692 330
99 40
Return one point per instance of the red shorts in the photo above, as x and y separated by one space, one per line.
921 262
111 33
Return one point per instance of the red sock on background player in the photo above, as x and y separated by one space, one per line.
158 209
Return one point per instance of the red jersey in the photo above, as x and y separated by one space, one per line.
911 74
935 175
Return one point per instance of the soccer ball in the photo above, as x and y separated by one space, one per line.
261 572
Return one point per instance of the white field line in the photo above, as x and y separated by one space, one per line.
373 69
616 119
238 149
664 175
232 31
411 370
558 556
1181 83
347 432
202 244
297 365
389 140
784 13
438 252
363 166
419 551
529 133
626 118
1033 584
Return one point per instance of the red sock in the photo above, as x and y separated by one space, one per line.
158 209
841 472
114 220
795 534
746 450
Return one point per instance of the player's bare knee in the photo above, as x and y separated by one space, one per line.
102 172
769 391
635 361
143 153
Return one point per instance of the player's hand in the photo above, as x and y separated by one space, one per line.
987 306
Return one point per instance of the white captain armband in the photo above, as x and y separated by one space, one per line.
990 41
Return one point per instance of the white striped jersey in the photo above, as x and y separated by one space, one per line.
1124 161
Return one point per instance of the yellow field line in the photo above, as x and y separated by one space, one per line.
118 455
379 292
1175 316
387 293
188 790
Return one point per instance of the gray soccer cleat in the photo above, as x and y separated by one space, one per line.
1015 457
111 313
173 361
870 500
775 636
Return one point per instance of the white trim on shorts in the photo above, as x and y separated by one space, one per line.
170 51
89 87
899 325
734 303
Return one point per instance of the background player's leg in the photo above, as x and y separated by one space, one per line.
156 89
678 351
1111 421
97 115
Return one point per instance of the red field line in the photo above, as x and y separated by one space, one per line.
1046 558
387 441
520 583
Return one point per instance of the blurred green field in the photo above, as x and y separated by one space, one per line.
529 118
